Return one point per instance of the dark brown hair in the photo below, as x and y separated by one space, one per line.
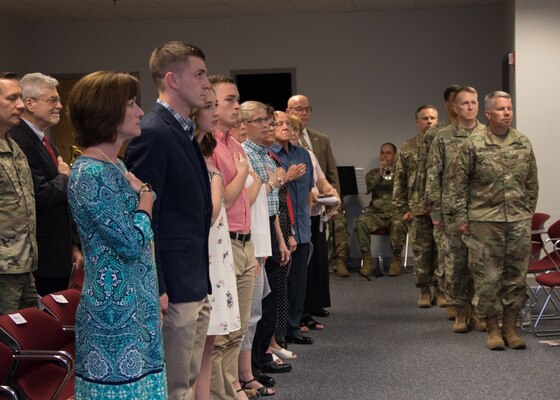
208 142
97 105
171 56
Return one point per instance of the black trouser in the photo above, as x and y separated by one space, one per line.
297 287
267 323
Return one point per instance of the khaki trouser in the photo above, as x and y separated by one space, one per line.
226 347
184 334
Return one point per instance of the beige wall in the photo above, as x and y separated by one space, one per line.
537 48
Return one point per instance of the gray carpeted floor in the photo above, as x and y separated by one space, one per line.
378 345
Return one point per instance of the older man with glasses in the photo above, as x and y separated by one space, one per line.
59 252
320 145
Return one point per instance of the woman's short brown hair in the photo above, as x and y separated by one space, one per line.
97 105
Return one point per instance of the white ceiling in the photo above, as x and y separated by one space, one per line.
99 10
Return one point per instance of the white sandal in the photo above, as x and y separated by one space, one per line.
283 353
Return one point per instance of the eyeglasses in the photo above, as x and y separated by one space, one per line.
259 121
300 109
51 100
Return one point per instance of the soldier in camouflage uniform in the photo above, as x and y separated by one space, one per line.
18 246
408 202
448 98
456 281
493 190
381 214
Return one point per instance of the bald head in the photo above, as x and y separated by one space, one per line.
299 106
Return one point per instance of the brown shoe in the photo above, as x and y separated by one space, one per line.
367 265
439 298
460 324
341 269
425 300
509 330
451 313
395 268
494 339
474 321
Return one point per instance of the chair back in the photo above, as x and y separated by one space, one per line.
554 231
64 312
537 243
40 332
6 362
6 365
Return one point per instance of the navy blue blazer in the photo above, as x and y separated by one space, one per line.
55 233
165 157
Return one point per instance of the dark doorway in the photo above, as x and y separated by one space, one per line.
273 87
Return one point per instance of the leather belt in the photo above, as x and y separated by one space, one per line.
242 237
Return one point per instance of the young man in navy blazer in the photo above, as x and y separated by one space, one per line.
168 157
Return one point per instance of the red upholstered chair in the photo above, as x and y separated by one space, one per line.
42 371
65 313
550 262
6 365
551 281
537 229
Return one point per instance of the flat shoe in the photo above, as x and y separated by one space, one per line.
262 391
321 313
299 340
309 323
284 354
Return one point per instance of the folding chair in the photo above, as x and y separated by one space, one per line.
42 371
537 229
550 262
6 365
62 305
550 280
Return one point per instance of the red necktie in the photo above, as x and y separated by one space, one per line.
50 150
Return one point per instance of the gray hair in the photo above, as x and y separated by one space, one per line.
33 85
247 107
489 99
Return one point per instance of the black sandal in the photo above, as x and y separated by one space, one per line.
310 323
262 391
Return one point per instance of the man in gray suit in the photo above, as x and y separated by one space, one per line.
320 145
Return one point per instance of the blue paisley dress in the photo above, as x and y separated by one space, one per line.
119 344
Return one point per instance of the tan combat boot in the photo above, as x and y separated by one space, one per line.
425 300
509 329
474 321
451 313
494 339
341 269
439 297
367 264
395 268
460 325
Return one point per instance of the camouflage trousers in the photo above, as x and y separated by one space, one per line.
341 237
453 273
424 249
18 291
499 255
370 221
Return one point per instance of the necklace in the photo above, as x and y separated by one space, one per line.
111 161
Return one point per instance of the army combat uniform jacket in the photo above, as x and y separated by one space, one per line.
493 182
18 246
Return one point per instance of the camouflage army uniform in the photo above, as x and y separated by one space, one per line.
407 198
493 187
380 214
421 187
452 264
18 246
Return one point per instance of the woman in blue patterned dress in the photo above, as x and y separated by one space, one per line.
119 345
